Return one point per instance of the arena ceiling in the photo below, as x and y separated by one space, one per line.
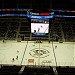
38 4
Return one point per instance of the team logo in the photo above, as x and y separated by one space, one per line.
39 53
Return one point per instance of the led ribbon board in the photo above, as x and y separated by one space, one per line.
13 14
64 16
36 17
39 17
19 9
29 16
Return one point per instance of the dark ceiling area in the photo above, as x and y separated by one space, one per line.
38 4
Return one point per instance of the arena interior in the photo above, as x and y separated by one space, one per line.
37 37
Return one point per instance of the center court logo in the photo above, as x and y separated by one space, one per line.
39 53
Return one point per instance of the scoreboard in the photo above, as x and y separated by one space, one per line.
40 15
39 27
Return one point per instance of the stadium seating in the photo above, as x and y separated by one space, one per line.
12 31
38 71
14 70
9 70
3 29
60 29
66 70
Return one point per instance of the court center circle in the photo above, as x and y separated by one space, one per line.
36 52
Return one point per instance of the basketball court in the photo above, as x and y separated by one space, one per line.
43 54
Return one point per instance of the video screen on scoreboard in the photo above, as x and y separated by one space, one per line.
39 27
